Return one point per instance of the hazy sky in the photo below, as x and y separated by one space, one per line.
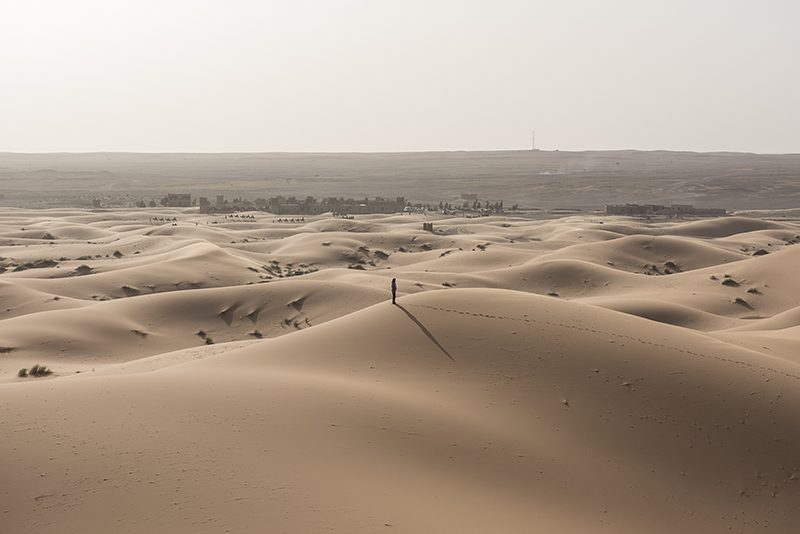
372 75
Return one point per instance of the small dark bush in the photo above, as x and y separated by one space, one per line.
39 370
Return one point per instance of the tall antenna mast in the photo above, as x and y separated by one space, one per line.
533 140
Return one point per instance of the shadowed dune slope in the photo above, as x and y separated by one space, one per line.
722 227
666 312
644 253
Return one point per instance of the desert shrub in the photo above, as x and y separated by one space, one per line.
753 290
117 254
447 284
41 264
729 282
760 252
713 277
257 334
671 265
740 300
209 341
356 266
39 370
552 294
22 373
201 333
667 271
84 258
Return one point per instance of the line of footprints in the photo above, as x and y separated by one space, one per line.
619 336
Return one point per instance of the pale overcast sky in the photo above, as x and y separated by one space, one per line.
374 76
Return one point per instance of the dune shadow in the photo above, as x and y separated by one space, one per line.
227 315
297 304
425 331
130 291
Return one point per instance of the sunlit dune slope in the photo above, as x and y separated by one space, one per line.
131 328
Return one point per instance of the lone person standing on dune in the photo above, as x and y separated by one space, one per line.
394 290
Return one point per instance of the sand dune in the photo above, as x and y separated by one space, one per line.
536 375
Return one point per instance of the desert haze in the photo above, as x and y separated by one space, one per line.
582 373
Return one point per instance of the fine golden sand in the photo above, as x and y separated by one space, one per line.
573 375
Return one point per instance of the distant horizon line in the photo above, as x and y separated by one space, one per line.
407 152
